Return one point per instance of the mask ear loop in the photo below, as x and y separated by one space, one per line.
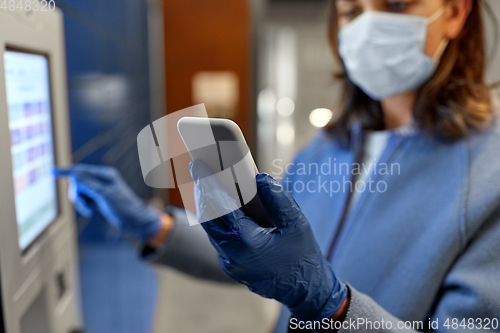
436 15
440 51
444 43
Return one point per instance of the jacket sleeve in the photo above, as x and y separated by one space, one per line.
469 299
188 250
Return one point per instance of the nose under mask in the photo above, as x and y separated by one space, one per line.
383 53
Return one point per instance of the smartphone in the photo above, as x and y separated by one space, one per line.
220 144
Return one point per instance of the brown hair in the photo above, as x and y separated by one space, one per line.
453 102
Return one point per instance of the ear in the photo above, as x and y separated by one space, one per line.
456 15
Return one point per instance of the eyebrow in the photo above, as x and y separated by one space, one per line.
347 1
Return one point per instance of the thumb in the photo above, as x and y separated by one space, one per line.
78 200
82 206
279 204
209 190
199 170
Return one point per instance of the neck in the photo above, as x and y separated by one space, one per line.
398 110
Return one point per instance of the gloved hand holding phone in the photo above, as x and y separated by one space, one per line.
105 187
284 263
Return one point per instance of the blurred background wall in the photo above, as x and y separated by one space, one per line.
208 44
264 63
109 100
295 77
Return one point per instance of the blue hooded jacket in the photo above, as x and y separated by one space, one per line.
422 242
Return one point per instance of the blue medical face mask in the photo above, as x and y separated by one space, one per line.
383 53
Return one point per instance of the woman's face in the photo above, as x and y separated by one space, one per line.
446 26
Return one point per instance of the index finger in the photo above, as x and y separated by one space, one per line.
62 171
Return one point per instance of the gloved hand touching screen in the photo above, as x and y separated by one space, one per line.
120 206
284 263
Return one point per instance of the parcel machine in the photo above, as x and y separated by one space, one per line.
38 252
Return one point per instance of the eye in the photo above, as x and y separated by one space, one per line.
349 14
398 6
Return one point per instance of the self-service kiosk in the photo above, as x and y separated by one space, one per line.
38 253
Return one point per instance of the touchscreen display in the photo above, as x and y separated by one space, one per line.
32 143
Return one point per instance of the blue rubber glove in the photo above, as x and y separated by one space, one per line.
284 263
105 187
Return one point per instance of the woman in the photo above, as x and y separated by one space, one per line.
409 242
